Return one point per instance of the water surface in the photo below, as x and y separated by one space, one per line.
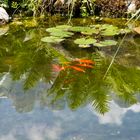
37 102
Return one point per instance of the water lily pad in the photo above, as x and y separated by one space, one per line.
109 30
106 43
61 34
53 30
84 41
52 39
79 29
63 27
90 31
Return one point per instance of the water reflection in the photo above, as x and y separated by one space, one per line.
27 76
82 124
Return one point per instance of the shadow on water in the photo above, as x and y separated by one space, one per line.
28 75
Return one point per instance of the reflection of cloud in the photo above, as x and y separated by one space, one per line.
115 114
135 108
42 132
8 137
36 132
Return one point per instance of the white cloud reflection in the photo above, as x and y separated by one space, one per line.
36 132
115 114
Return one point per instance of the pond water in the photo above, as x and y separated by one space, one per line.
38 101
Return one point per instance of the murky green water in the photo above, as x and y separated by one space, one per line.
39 102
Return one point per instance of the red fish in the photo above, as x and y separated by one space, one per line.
56 67
85 61
85 65
77 68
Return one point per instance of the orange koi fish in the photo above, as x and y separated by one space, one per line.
85 61
85 65
77 68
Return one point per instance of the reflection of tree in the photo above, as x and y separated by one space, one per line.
81 88
30 58
125 82
31 62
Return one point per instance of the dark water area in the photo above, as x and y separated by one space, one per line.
40 102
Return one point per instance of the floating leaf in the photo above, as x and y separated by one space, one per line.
52 39
109 30
84 41
62 34
53 30
79 29
90 31
63 27
105 43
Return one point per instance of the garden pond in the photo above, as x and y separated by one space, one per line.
69 82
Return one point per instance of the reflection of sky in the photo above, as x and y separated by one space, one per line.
83 124
24 116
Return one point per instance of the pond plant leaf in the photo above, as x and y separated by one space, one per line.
50 30
106 43
79 29
61 34
63 27
84 41
109 30
58 32
90 31
52 39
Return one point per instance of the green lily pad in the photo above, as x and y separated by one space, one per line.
52 39
109 30
90 31
61 34
53 30
106 43
63 27
84 41
79 29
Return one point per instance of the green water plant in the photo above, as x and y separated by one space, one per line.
52 39
93 35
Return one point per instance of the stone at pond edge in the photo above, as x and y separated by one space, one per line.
4 17
137 30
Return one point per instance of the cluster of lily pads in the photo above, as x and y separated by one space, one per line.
91 36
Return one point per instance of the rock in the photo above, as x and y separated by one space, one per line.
131 7
4 17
